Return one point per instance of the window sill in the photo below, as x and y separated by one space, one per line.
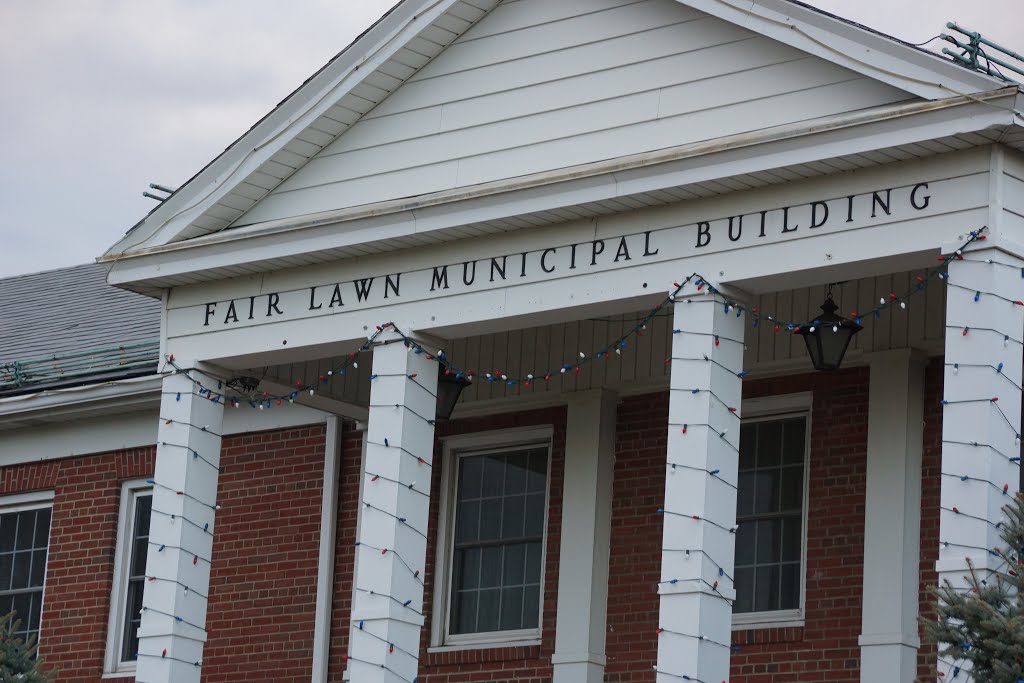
765 620
119 674
490 645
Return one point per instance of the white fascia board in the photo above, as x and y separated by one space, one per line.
107 396
282 125
872 54
724 157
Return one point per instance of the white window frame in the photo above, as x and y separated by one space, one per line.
33 500
113 666
453 448
766 409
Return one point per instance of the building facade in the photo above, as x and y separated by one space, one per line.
610 224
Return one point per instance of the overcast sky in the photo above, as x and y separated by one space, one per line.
98 98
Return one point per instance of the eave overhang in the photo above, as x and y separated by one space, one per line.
541 198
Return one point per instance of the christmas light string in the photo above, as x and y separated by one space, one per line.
195 556
374 477
188 591
714 474
387 444
177 492
613 348
401 520
689 552
998 369
195 454
416 573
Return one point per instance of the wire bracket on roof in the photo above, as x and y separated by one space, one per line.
981 54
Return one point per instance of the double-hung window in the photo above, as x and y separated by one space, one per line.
492 538
771 515
24 543
129 577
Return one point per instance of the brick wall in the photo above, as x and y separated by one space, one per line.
265 555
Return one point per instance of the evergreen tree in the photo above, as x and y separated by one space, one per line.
18 661
984 623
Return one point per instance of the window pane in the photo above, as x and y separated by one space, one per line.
769 444
744 591
790 595
794 441
512 517
490 566
143 512
534 515
768 547
38 573
766 596
490 519
748 447
26 530
533 557
8 527
745 537
467 522
466 568
42 535
516 474
23 607
538 470
471 471
132 619
6 564
464 612
511 608
792 538
515 565
487 615
22 569
766 496
494 475
531 606
745 494
792 488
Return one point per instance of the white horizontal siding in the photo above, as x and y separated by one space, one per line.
545 349
540 84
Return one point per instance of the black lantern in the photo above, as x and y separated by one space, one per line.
828 336
449 387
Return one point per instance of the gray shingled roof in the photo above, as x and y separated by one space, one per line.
67 311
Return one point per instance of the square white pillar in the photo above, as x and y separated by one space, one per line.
579 655
173 628
387 612
892 518
698 549
981 410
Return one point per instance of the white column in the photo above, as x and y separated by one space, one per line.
579 655
698 550
173 628
892 518
387 613
980 435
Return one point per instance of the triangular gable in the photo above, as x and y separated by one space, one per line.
537 85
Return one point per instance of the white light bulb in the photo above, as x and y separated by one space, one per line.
903 305
529 376
563 371
835 328
812 328
355 365
311 392
582 355
881 300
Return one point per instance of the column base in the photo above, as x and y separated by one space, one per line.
578 668
888 657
